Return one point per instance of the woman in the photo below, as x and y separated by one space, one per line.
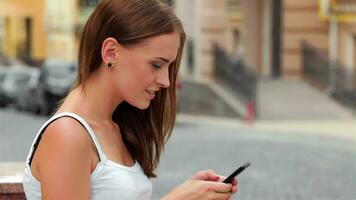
105 140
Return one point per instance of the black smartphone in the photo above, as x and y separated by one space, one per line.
236 172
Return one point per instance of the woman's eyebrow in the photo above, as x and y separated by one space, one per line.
163 59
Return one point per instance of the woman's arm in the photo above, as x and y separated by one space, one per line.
64 161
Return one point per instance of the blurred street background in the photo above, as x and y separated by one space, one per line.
272 82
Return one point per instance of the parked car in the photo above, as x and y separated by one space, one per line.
15 82
3 71
56 79
26 100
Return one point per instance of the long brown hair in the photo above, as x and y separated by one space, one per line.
145 132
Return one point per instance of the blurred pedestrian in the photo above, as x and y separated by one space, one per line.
105 139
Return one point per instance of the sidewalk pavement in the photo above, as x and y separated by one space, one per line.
277 99
284 106
343 129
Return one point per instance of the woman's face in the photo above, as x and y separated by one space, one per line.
143 69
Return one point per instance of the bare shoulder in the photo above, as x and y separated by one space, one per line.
64 159
67 131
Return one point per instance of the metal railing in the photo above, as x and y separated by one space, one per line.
333 76
234 73
315 66
344 87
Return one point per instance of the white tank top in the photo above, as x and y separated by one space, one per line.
109 180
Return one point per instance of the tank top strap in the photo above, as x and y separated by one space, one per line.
88 129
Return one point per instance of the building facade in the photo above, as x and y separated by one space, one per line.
21 29
35 30
266 34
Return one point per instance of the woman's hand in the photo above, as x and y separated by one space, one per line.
200 190
204 185
210 175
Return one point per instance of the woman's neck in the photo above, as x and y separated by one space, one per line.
94 102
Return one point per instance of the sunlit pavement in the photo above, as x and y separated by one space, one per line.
288 161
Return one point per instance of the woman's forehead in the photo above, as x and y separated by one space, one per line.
165 44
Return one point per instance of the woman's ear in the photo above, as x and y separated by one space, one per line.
109 51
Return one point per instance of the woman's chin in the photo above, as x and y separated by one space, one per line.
141 105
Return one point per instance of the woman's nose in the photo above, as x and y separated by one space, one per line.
163 78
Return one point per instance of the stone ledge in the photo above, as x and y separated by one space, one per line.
11 181
11 188
10 184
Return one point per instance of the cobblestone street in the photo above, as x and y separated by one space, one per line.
269 82
284 166
289 165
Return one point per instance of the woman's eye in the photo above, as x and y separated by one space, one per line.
156 65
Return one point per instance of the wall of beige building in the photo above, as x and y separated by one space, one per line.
186 11
52 29
61 19
13 14
345 46
301 22
213 32
347 50
206 24
244 34
334 39
253 37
